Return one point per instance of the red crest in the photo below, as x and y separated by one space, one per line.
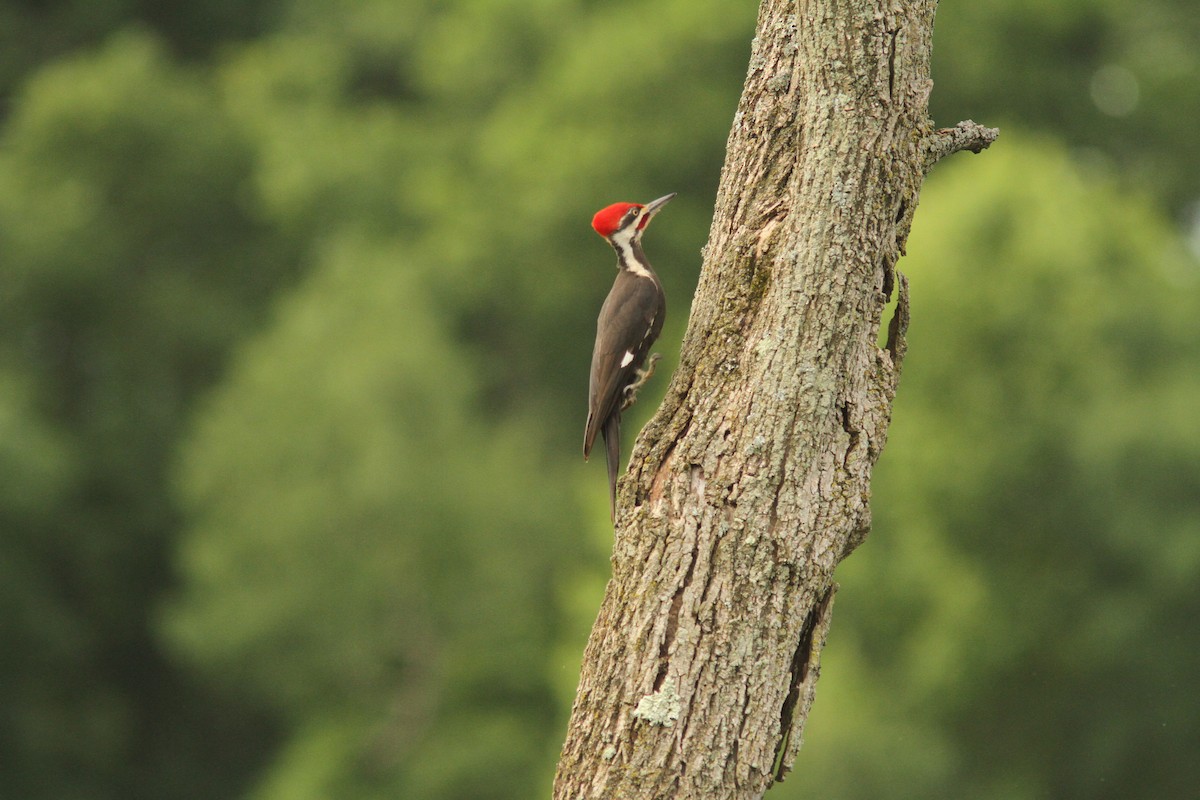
607 219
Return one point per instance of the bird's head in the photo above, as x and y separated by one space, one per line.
627 220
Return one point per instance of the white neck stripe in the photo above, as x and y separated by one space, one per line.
628 257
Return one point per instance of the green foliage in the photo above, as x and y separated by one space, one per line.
1107 78
392 577
32 34
131 264
1018 624
121 172
39 629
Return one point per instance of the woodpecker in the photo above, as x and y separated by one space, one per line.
630 320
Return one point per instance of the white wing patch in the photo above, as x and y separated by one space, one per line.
627 358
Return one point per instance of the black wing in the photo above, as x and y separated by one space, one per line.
629 323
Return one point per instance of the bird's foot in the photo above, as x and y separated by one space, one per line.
643 375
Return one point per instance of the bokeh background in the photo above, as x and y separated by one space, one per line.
296 306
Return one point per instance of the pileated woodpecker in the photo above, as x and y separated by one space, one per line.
630 320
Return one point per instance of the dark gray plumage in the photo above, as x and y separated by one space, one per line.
630 321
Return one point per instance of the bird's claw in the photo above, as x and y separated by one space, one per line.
643 375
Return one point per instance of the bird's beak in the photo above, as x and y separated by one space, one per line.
654 206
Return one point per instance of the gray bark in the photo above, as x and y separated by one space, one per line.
752 481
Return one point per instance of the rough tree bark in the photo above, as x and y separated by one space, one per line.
752 481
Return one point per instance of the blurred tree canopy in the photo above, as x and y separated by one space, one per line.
297 304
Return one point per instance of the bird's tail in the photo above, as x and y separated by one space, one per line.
612 449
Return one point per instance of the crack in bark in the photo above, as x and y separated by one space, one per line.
660 475
854 433
801 660
892 64
664 654
663 470
897 344
889 259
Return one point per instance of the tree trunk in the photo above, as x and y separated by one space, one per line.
752 481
